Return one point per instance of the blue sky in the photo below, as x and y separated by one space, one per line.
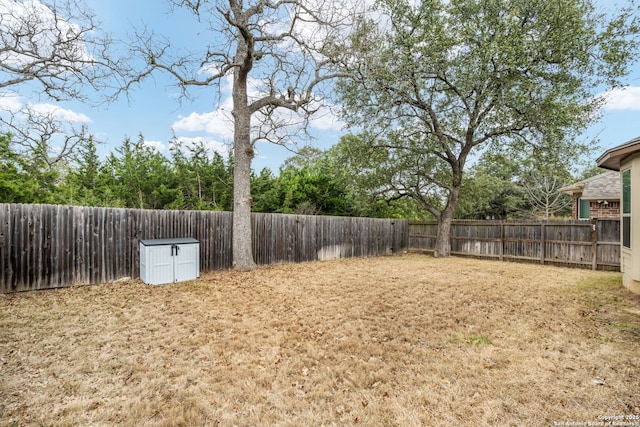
154 111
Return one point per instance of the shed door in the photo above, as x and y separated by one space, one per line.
160 265
186 262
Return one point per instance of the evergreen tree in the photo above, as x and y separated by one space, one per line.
16 184
140 176
204 181
89 183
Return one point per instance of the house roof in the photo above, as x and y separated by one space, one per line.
605 186
612 158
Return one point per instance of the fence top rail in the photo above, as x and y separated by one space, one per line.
107 209
496 222
190 212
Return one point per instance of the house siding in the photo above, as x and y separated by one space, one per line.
627 266
626 159
630 256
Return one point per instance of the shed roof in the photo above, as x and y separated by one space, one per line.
612 158
605 186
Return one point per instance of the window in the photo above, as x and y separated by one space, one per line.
626 208
583 209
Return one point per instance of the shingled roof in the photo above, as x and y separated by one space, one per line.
605 186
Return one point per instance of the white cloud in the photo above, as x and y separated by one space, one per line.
214 123
342 14
218 122
627 98
156 145
326 122
326 119
10 101
59 113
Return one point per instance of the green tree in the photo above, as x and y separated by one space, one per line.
28 178
491 191
309 185
304 186
88 182
311 191
514 186
204 179
363 170
141 177
435 81
265 192
538 176
17 185
587 172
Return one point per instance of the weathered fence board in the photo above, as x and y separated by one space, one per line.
47 246
590 244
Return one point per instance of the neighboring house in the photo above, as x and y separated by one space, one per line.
596 197
625 158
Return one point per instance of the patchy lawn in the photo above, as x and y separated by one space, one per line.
397 341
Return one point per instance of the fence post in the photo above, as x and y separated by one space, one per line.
542 242
501 240
594 243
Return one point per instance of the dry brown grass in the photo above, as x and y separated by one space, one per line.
399 341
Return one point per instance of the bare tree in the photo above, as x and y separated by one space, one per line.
279 56
49 134
50 51
541 190
55 45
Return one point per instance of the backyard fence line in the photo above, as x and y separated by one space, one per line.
52 246
591 244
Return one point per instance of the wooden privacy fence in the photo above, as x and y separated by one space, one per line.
590 244
47 246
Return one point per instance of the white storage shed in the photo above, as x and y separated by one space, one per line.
169 260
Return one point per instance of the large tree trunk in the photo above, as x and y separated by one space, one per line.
242 247
443 238
242 156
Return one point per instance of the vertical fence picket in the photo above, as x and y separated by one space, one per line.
5 248
16 255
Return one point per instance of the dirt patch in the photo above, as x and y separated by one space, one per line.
397 341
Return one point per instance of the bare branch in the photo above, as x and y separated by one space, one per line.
58 46
45 134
